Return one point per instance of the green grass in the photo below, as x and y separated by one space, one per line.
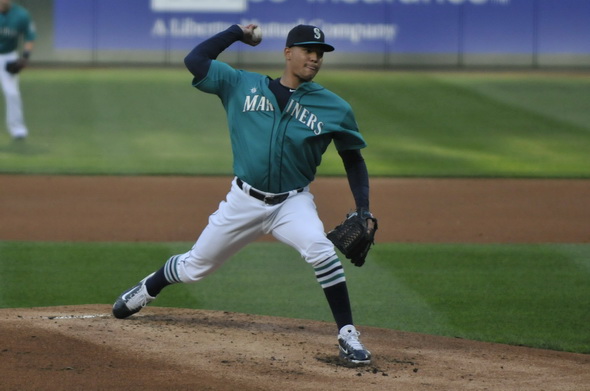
151 121
118 122
536 295
457 124
533 295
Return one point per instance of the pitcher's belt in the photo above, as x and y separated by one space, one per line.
269 199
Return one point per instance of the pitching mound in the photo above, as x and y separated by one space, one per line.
85 348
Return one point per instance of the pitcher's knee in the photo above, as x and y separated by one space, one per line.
187 268
318 251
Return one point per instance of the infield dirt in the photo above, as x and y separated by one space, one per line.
84 348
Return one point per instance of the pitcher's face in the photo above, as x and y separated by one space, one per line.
304 62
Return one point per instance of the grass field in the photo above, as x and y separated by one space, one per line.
431 124
151 121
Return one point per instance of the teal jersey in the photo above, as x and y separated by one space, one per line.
13 24
276 151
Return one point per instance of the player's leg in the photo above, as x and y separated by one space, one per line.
298 225
14 109
235 224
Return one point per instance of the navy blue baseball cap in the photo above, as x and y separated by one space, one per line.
303 35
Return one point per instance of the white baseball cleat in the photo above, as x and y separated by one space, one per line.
132 300
351 349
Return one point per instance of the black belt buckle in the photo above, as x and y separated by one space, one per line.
274 200
267 199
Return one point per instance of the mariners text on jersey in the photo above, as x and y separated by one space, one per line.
257 103
304 116
294 109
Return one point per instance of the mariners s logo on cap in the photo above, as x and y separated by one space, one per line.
317 33
303 35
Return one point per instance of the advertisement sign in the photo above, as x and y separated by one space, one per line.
362 26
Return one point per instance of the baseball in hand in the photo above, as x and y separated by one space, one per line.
256 34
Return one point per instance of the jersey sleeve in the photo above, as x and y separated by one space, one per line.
348 137
219 80
29 31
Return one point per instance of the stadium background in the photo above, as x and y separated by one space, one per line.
387 33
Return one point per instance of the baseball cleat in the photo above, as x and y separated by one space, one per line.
351 349
132 300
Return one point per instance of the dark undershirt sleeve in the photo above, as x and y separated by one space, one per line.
199 59
358 176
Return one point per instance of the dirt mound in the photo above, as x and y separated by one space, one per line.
85 348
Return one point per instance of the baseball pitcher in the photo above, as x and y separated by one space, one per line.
279 129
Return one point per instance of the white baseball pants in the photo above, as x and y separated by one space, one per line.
240 220
14 108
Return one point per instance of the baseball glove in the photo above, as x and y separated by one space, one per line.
15 67
355 236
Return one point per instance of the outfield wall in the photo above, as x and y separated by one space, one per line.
380 33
